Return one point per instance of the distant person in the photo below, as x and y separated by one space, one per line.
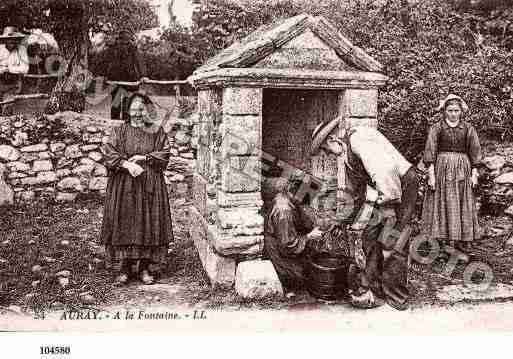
137 217
452 155
125 66
14 61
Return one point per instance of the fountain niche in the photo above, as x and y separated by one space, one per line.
258 103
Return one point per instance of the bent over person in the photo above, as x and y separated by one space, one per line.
289 228
376 174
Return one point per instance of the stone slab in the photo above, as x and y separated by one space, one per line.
365 121
239 245
241 174
460 292
257 280
229 200
219 269
361 103
242 101
241 135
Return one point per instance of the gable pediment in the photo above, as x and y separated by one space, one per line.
301 42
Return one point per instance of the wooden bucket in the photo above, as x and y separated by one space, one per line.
326 276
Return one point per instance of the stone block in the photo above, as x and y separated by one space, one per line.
14 175
506 178
242 101
238 245
209 101
6 193
46 177
44 155
86 161
241 135
84 170
92 138
57 147
362 121
240 218
494 163
17 166
73 151
257 279
199 194
42 166
70 183
65 197
100 171
29 157
95 156
35 148
220 270
98 183
241 174
9 153
63 172
87 148
361 103
239 199
64 162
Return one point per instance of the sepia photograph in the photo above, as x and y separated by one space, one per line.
187 166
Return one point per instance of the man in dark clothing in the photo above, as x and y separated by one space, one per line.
289 228
384 188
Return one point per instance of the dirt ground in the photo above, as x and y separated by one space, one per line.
60 237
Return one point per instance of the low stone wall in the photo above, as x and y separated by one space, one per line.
59 156
495 191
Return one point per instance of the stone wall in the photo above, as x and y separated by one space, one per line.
59 156
495 191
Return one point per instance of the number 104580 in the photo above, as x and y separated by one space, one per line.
50 350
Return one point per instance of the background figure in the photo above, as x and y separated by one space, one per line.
137 218
14 61
452 155
127 67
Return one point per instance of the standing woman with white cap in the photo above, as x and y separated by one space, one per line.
452 154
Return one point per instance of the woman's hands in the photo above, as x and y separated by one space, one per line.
431 177
137 158
315 234
133 168
475 177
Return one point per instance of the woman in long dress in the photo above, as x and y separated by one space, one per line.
452 154
137 218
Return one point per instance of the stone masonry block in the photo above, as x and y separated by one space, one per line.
241 135
220 270
366 121
361 103
239 245
257 279
241 174
209 101
240 218
242 101
199 194
239 199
